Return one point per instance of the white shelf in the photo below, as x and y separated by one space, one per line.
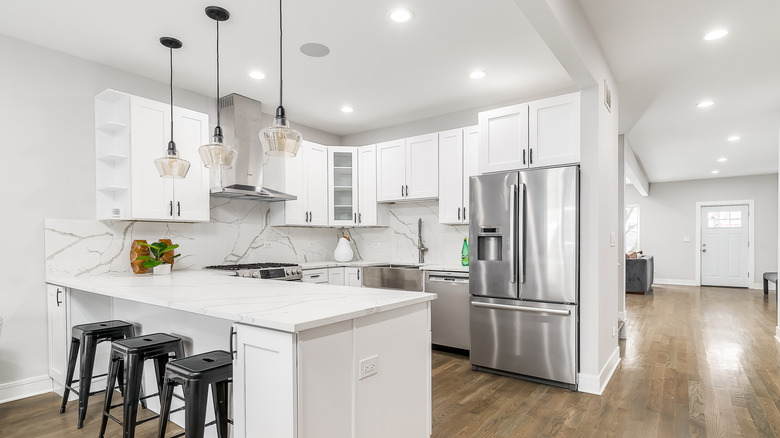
111 126
112 189
112 158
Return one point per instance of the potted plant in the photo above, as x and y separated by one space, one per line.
161 258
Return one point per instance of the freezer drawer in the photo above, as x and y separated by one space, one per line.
537 340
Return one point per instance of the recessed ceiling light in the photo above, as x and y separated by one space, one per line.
716 34
714 172
347 109
478 74
315 50
734 138
705 104
401 15
722 159
255 74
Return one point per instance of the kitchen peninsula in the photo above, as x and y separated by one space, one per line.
311 360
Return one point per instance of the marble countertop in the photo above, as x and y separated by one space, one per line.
426 267
274 304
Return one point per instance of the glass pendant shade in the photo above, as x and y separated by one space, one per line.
280 140
218 155
171 166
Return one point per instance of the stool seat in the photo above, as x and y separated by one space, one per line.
86 337
132 352
195 374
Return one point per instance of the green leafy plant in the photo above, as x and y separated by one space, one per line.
158 257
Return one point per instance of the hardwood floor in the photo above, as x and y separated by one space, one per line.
39 417
697 362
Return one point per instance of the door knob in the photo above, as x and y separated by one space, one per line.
704 250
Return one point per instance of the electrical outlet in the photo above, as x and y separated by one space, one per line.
376 243
368 367
311 244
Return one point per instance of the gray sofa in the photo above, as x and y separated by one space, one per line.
639 274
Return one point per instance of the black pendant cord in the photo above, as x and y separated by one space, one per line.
172 143
281 81
218 119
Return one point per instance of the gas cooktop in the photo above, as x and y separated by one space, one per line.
274 271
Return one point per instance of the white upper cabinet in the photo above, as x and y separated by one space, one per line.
554 131
130 133
458 161
504 139
408 169
537 134
343 185
367 208
304 176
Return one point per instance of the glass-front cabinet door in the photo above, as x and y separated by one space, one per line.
342 184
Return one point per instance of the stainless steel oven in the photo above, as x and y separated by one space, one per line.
265 271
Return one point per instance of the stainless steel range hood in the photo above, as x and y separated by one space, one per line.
241 121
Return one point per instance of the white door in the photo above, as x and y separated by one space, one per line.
451 177
343 184
390 170
367 186
554 131
724 246
191 193
152 196
316 175
504 139
59 341
470 164
422 167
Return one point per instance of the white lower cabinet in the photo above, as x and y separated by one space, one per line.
317 276
309 384
353 276
336 276
58 334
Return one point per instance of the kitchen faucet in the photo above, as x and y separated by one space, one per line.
422 248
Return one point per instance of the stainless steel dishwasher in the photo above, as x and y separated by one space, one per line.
450 310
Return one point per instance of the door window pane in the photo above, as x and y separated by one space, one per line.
724 219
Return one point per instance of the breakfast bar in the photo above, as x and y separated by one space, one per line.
309 360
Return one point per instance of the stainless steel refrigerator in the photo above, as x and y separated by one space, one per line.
524 275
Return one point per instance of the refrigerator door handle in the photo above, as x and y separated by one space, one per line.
521 308
512 231
521 235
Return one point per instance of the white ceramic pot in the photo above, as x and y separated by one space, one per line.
343 252
164 269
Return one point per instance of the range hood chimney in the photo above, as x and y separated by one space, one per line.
241 122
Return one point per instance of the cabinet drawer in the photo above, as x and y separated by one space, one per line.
315 276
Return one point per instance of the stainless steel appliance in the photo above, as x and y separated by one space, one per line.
393 276
524 273
450 310
266 271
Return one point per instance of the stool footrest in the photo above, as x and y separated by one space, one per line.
147 419
177 410
149 396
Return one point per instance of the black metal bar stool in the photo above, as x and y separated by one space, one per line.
134 352
86 337
195 374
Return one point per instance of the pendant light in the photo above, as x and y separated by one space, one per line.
217 155
170 165
279 140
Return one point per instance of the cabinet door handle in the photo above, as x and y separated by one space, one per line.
315 276
464 214
358 273
170 209
355 217
311 216
178 208
407 190
523 156
531 156
233 333
360 218
402 190
59 302
458 213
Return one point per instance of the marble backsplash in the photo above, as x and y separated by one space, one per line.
239 233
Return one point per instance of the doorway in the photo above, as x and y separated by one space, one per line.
725 235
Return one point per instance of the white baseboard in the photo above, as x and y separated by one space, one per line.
596 384
675 282
761 286
24 388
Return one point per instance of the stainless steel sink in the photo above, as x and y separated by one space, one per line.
394 276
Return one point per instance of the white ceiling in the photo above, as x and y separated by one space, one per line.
665 67
390 73
396 73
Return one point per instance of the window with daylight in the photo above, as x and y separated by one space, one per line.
724 219
632 228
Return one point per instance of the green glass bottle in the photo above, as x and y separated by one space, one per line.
464 253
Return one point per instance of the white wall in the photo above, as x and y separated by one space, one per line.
669 214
